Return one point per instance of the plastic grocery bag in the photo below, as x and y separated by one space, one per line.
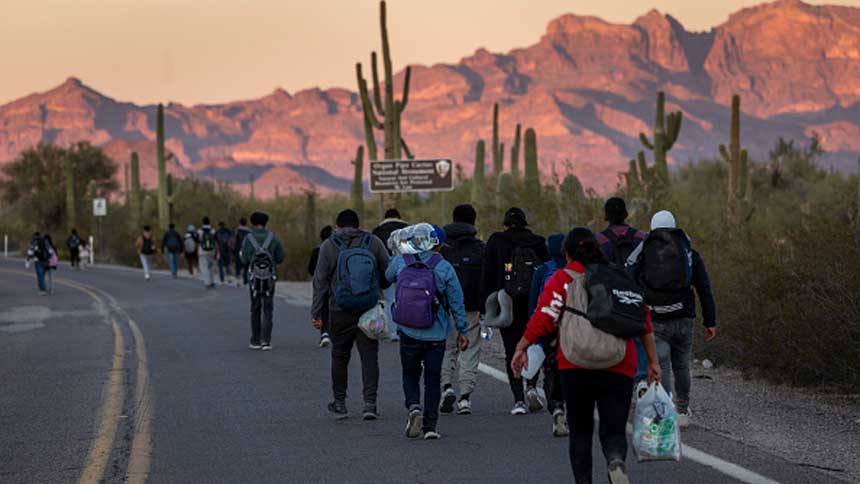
374 323
656 435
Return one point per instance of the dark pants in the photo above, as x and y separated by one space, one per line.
510 337
611 392
191 259
324 316
344 334
418 356
75 256
41 268
262 308
223 266
552 378
241 270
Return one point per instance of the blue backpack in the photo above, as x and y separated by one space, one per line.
415 299
356 288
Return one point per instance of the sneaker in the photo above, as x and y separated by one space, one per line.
519 409
254 346
618 473
432 435
413 425
338 409
449 398
464 407
559 424
266 346
147 277
325 340
684 417
43 293
536 403
370 412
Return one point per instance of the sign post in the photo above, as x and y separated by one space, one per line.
99 211
399 176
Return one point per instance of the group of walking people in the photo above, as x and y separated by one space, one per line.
45 258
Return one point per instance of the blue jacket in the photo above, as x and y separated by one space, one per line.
448 290
555 246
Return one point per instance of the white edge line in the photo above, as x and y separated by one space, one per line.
732 470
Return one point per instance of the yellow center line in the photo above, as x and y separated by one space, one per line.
141 445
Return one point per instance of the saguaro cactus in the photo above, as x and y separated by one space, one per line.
532 177
571 202
310 216
504 192
71 200
358 181
478 183
740 181
515 154
251 187
165 198
135 202
126 183
666 130
498 166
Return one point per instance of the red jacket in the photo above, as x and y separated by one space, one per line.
544 321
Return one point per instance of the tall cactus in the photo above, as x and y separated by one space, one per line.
165 197
387 107
170 197
515 154
358 180
666 130
126 184
740 181
251 187
478 183
504 192
571 202
498 166
532 178
136 203
71 200
310 216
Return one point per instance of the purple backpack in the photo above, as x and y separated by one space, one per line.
415 299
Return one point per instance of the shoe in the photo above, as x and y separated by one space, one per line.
43 293
618 473
464 407
536 404
254 346
147 277
449 398
519 409
266 346
325 340
370 412
413 425
432 435
684 417
338 409
559 424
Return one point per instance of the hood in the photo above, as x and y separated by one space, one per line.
349 234
458 230
524 237
555 245
392 220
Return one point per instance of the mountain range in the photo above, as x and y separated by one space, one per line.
587 87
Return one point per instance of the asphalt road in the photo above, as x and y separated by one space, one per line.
113 379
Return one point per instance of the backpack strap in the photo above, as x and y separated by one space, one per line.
409 259
268 241
433 261
338 242
254 243
567 308
366 241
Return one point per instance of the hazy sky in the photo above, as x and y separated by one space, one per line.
194 51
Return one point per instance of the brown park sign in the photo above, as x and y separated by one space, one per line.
395 176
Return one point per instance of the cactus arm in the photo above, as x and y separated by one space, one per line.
403 145
366 104
405 98
725 154
674 121
377 92
645 142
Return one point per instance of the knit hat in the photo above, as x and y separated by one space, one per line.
515 217
663 220
440 234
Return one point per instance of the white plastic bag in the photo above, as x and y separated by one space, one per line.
374 323
656 435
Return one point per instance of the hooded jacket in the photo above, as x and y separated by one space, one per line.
555 245
460 233
499 252
326 270
386 227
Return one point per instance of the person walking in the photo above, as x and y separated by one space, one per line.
189 244
242 231
349 277
510 260
39 256
145 249
424 319
224 240
325 338
610 390
465 252
262 252
74 243
171 246
206 251
389 224
668 268
53 263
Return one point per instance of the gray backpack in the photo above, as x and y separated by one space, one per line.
262 272
581 343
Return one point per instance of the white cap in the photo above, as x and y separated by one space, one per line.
663 220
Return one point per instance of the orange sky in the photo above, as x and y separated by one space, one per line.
194 51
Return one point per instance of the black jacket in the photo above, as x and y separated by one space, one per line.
459 232
171 235
312 263
500 248
386 227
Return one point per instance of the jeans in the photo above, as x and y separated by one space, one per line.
207 268
611 392
418 356
675 349
262 308
464 361
223 267
344 334
146 262
173 262
510 337
40 268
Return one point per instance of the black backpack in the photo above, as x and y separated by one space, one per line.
666 263
616 303
173 241
146 247
73 242
467 257
207 240
519 272
262 272
38 249
622 246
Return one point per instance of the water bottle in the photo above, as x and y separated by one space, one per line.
536 357
486 331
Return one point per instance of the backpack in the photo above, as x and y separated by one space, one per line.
190 244
622 246
207 240
262 273
356 288
616 303
666 261
173 242
467 257
74 242
581 342
519 272
146 246
415 300
224 238
38 250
